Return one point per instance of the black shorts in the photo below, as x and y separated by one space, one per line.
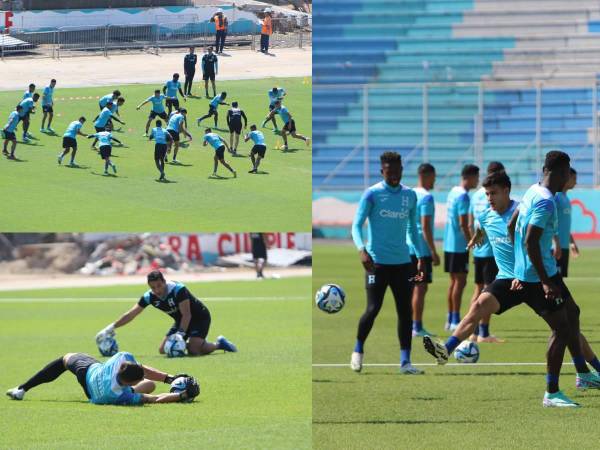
208 76
396 276
456 262
485 270
199 326
212 110
220 152
174 134
506 297
259 249
99 129
428 267
162 115
69 142
173 102
290 127
47 109
9 135
535 298
563 263
160 151
260 149
25 118
235 127
271 107
78 364
105 151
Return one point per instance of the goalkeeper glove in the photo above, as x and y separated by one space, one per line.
170 378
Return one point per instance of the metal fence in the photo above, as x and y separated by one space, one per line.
82 40
451 124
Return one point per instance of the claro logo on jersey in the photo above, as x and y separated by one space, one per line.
389 214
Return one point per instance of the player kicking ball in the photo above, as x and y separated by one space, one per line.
9 132
289 126
119 381
176 126
219 145
258 149
213 108
191 316
105 139
70 140
391 209
162 137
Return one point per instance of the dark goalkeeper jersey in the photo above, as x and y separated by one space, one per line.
176 293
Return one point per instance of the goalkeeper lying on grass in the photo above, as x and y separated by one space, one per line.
119 381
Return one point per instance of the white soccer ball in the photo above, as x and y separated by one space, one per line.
108 346
179 385
175 346
330 298
467 352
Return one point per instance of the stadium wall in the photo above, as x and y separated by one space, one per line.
585 207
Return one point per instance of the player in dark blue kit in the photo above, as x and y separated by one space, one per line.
234 123
162 137
191 316
391 209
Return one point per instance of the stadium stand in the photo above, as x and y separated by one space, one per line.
491 79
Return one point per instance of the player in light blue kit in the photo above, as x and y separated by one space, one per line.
28 108
289 124
456 236
219 145
170 90
213 108
70 140
158 108
425 225
119 381
103 120
275 94
109 98
105 139
391 209
258 149
9 132
162 137
563 241
175 126
29 92
48 106
483 257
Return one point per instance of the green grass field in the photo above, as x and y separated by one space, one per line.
257 398
46 196
467 406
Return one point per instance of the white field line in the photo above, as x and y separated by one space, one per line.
134 299
501 364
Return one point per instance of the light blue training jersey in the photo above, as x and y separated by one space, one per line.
213 139
257 137
104 138
27 94
563 210
175 122
27 105
457 204
157 103
479 203
495 226
284 113
47 96
425 207
216 101
72 129
274 96
391 212
103 118
537 208
159 134
104 100
172 88
103 386
13 120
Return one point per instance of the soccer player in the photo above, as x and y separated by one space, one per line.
191 316
189 69
259 253
234 122
27 108
70 140
114 109
219 145
158 108
161 136
210 69
275 94
105 138
504 292
175 126
456 236
102 120
112 98
48 106
564 239
119 381
258 149
213 106
289 124
9 133
483 257
170 90
425 226
29 92
391 209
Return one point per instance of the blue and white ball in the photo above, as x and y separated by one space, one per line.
108 346
175 346
467 352
179 385
330 298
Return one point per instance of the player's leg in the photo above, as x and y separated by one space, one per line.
175 150
47 374
147 126
237 140
42 128
144 387
216 117
459 286
216 164
418 298
213 84
206 86
198 346
227 166
50 118
231 135
73 153
284 137
253 159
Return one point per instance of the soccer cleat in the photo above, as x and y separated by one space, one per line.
252 171
447 326
307 142
453 326
42 130
50 129
558 400
234 174
16 393
224 344
285 147
422 333
589 380
175 161
198 121
491 339
145 134
114 168
409 369
59 160
436 349
356 361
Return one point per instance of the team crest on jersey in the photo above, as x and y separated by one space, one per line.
405 201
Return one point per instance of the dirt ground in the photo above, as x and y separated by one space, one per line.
147 68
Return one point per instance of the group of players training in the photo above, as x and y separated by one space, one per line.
514 261
122 380
166 138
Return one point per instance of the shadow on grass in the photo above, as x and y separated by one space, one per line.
487 374
397 422
165 181
179 164
75 166
331 381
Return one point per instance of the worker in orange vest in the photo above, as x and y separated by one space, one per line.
266 31
221 30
